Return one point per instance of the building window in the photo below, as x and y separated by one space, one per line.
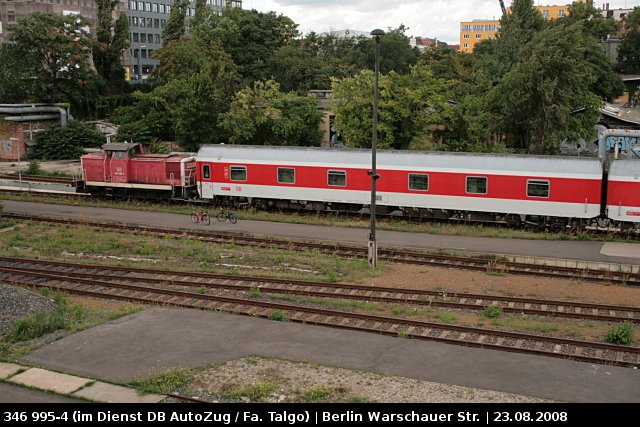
238 173
466 45
476 185
545 14
418 182
537 188
11 16
561 13
286 176
337 178
466 36
478 36
143 38
157 39
133 5
136 37
154 7
156 23
206 172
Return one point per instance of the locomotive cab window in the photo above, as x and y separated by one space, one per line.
337 178
476 185
206 171
238 173
537 188
418 182
286 176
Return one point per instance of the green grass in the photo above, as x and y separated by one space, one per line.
278 316
82 243
255 392
165 382
63 319
317 394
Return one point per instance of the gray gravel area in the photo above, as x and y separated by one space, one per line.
17 302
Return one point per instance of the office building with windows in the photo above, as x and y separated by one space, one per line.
147 20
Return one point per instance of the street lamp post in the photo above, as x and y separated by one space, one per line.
17 141
373 244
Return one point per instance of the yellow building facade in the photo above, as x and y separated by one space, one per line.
475 31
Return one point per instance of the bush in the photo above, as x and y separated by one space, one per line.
34 168
67 142
492 312
621 334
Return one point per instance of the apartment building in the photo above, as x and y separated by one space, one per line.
475 31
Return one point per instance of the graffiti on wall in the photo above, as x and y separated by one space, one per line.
625 144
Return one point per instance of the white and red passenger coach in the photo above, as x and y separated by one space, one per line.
542 190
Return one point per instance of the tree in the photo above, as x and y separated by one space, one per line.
50 54
409 106
264 115
546 98
176 26
250 37
298 70
112 38
629 49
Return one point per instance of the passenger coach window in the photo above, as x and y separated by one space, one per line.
537 188
476 185
206 171
418 182
286 176
337 178
238 173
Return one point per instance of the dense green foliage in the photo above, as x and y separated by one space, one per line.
629 49
242 77
67 142
112 38
263 114
47 59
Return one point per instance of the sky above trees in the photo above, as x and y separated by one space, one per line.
432 18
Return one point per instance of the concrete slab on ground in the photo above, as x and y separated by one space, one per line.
158 339
8 369
51 381
109 393
621 250
10 393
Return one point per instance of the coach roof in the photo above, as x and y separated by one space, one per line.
392 159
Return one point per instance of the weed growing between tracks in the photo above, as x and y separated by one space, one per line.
85 244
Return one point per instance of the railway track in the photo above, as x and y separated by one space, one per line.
486 264
39 178
105 287
270 286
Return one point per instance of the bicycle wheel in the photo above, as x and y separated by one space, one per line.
194 218
205 219
221 216
232 218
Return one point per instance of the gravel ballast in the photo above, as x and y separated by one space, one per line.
17 302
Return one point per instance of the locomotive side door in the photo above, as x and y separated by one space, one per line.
119 166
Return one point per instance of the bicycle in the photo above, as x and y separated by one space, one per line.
203 217
226 215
